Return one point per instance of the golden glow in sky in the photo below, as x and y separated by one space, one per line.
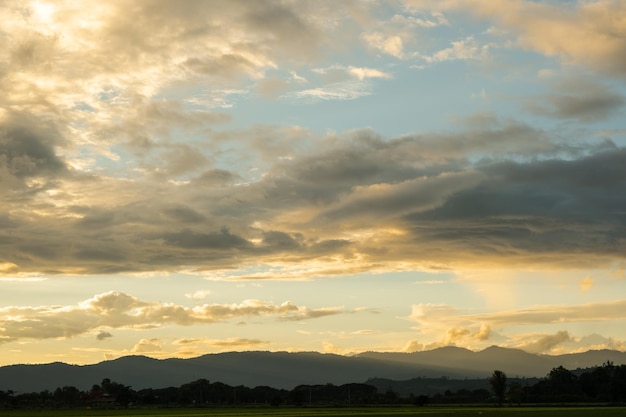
179 178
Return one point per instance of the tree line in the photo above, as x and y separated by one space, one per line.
199 393
606 384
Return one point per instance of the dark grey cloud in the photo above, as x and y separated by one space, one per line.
583 189
147 132
285 23
6 222
215 177
344 167
109 255
579 99
119 165
176 160
365 159
96 219
222 65
330 247
40 251
33 51
184 214
27 148
534 210
223 240
409 196
103 335
280 241
257 31
497 194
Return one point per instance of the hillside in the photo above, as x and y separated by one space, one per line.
287 370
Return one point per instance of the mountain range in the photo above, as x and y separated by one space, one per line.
287 370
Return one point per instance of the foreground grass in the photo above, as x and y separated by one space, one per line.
438 411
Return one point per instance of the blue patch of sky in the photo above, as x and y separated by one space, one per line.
108 94
84 107
415 100
121 165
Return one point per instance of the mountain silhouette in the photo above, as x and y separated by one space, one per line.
287 370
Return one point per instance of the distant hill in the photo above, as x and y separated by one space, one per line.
287 370
458 362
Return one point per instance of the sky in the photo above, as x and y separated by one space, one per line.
192 177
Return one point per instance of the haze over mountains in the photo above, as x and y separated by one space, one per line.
287 370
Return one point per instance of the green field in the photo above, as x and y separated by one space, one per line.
333 412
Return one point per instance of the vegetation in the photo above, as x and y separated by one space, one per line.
605 384
498 383
378 411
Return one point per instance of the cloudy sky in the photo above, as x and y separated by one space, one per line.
180 178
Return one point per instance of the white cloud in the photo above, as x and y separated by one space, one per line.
547 343
390 45
364 73
465 49
341 83
119 310
580 33
329 347
413 346
147 346
340 91
434 20
444 314
562 342
198 346
451 326
199 295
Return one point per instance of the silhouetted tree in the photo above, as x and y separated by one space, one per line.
276 400
358 393
67 396
563 385
390 396
6 398
196 392
263 394
606 383
618 384
421 400
516 393
301 395
119 393
596 384
498 384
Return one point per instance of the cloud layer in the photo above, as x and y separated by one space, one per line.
497 327
578 33
113 158
117 310
358 200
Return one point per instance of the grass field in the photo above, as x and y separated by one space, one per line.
333 412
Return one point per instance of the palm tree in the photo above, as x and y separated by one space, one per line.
498 383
